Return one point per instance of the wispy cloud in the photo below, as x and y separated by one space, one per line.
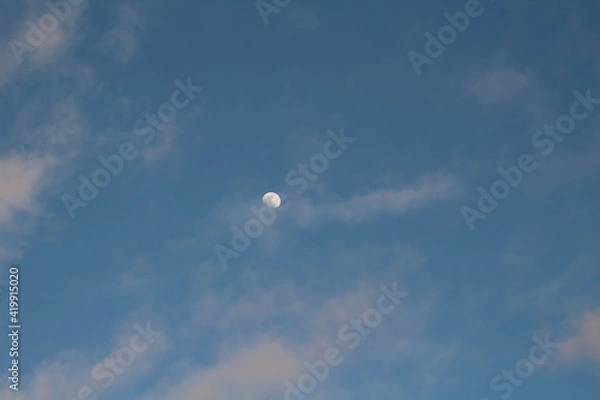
123 40
26 52
72 372
21 177
498 85
390 202
569 291
236 375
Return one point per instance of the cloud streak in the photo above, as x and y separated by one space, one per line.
426 191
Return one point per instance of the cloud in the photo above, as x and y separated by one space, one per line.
584 346
49 132
21 178
255 358
571 289
163 147
498 85
255 308
62 376
426 191
145 361
8 64
249 372
58 128
138 279
122 41
9 252
56 379
56 44
524 251
257 347
166 143
394 201
53 45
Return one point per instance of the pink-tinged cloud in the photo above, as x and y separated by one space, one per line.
584 346
21 178
252 372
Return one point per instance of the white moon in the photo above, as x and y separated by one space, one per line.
271 200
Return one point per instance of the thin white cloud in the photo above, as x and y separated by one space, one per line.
426 191
394 201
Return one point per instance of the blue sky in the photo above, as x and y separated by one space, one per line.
406 194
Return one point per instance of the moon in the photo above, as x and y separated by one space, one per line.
271 200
